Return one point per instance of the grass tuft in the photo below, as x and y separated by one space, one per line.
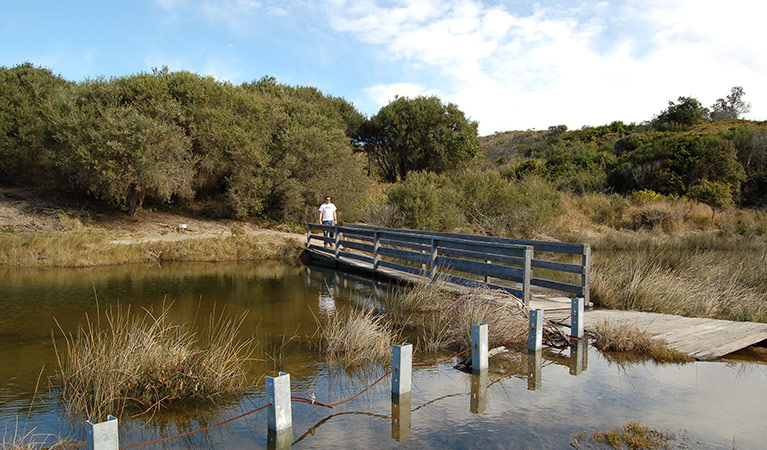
632 436
356 337
612 337
141 362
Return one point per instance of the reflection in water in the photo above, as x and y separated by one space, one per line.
528 399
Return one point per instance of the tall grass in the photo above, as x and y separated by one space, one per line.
698 275
441 318
127 361
90 247
356 337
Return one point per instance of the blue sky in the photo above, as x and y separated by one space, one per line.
509 65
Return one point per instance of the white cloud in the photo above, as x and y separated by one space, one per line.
385 93
590 64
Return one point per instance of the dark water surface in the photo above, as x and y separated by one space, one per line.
523 403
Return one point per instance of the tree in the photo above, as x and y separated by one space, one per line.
680 116
715 194
731 107
418 134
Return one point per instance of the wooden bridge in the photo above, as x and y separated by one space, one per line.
544 275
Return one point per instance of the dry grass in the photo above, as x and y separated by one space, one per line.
93 247
356 337
142 362
612 337
698 275
442 318
632 436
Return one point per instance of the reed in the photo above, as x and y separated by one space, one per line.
611 337
126 361
356 337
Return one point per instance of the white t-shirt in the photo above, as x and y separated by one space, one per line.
327 210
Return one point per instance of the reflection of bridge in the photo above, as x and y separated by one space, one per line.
543 274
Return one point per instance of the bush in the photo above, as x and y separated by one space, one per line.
427 201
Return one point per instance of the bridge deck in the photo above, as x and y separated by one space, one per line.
703 339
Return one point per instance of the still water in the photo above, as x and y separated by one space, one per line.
525 402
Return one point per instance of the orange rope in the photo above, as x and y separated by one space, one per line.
331 405
196 431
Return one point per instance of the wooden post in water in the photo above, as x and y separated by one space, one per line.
479 347
535 338
103 435
402 362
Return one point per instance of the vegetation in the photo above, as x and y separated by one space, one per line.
357 337
126 361
632 436
611 337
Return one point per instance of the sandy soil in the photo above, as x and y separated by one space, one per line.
31 211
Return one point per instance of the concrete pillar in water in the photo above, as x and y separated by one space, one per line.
534 368
400 417
479 347
102 435
402 361
576 320
478 401
579 356
535 338
280 416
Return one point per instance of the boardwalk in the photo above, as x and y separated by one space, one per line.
703 339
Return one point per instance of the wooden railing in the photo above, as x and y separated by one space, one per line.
445 254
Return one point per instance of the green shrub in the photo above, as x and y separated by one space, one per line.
427 201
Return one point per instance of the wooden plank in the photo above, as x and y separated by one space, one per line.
480 268
416 257
513 260
557 286
357 246
558 266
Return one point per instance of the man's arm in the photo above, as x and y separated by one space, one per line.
320 219
335 217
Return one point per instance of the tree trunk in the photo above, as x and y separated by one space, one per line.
135 199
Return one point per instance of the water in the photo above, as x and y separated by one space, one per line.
524 402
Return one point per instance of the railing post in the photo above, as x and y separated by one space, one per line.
586 277
402 362
102 435
376 246
280 416
433 260
576 317
527 274
479 347
535 338
308 234
337 237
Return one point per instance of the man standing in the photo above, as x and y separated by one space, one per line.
328 216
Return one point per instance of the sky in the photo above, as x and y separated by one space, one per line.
509 65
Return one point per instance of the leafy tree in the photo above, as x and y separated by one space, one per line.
731 107
715 194
25 154
680 116
418 134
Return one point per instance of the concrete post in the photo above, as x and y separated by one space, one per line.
576 319
280 416
102 435
433 260
479 347
478 400
535 338
400 417
402 361
376 246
